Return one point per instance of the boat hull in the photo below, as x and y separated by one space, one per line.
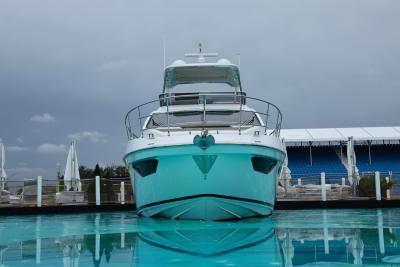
217 183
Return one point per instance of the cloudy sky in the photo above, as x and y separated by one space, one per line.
70 69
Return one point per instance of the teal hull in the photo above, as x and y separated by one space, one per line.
216 183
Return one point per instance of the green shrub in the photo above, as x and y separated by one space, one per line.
366 186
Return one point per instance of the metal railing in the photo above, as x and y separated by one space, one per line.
318 186
372 185
268 113
25 193
51 192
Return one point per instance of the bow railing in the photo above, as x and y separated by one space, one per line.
234 110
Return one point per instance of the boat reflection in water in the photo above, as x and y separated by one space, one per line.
251 243
332 238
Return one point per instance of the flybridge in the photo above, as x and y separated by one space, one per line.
201 72
202 94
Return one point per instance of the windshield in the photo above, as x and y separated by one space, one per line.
201 75
223 118
204 88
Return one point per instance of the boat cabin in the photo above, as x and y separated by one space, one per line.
188 83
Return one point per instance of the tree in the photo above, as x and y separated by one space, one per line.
86 172
97 170
121 172
108 172
107 194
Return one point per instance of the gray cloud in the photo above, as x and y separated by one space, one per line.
51 149
114 65
43 118
324 63
17 148
92 136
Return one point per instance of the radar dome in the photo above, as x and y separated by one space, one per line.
178 62
224 61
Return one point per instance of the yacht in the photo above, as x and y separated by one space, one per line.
202 150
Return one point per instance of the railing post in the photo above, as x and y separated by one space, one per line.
97 190
378 186
343 185
298 181
280 122
277 123
204 97
388 189
140 119
266 119
323 187
39 192
122 192
168 113
240 115
128 127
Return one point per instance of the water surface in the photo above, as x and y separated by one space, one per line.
287 238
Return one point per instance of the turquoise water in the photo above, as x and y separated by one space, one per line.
287 238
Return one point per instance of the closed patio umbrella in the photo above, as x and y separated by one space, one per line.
71 175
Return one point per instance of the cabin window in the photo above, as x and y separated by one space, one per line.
145 167
263 164
204 87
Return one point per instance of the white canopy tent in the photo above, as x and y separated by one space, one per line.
3 175
324 136
71 175
348 137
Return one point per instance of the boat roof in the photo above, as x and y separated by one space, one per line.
222 71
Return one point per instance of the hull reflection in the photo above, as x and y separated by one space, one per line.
219 243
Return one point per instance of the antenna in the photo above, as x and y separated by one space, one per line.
238 57
201 57
164 49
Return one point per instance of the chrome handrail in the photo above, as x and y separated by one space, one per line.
203 97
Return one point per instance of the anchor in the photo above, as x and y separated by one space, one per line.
204 140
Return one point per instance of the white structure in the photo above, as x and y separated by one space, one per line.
326 136
348 137
204 151
71 175
3 175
